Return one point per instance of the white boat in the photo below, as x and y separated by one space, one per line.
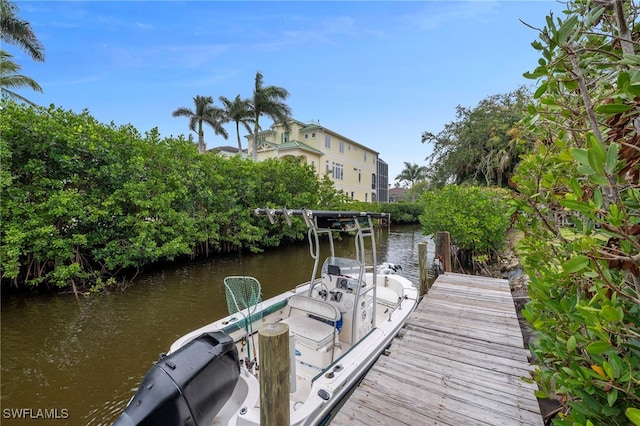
340 322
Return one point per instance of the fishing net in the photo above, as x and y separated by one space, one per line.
243 295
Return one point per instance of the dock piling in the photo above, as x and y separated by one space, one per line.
274 374
424 268
443 249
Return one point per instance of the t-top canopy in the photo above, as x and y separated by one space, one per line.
320 213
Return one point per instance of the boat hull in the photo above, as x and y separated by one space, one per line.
330 386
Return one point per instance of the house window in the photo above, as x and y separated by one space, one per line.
373 181
366 197
342 146
284 137
313 164
338 171
359 175
306 135
327 169
313 134
365 156
352 195
327 141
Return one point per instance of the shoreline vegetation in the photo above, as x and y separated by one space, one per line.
86 206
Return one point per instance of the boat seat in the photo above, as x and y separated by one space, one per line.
307 321
387 296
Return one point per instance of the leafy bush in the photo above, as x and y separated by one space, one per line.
403 212
578 206
82 201
475 217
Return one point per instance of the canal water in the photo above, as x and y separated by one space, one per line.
79 362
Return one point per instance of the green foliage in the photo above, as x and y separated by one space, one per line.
83 201
403 212
475 217
578 206
360 206
483 146
330 199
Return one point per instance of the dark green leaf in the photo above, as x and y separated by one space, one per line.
633 89
580 155
575 264
612 314
612 396
612 158
599 179
565 30
597 198
580 206
613 108
623 80
540 91
596 161
597 348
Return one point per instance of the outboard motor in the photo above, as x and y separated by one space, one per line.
187 387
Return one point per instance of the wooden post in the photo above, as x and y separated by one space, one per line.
443 249
274 374
422 262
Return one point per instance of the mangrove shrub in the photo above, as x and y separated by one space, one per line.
475 217
579 207
82 201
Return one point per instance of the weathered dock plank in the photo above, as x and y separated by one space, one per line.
461 360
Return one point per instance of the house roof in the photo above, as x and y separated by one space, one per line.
296 144
261 132
316 125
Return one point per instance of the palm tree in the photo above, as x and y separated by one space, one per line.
267 101
239 112
412 173
9 77
14 30
18 32
205 112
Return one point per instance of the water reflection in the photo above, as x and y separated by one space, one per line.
90 359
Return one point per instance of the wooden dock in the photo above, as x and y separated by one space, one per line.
460 361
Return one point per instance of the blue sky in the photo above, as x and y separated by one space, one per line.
377 72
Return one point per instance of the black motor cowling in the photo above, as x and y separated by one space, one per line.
187 387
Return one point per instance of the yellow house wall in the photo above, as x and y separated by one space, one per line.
358 161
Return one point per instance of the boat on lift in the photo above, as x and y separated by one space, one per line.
340 322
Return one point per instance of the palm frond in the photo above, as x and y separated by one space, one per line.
18 32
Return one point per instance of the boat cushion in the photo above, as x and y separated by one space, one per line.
310 332
307 320
386 295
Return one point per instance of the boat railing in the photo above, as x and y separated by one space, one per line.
398 307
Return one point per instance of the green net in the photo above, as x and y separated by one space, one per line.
243 295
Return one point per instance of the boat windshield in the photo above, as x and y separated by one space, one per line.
341 266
